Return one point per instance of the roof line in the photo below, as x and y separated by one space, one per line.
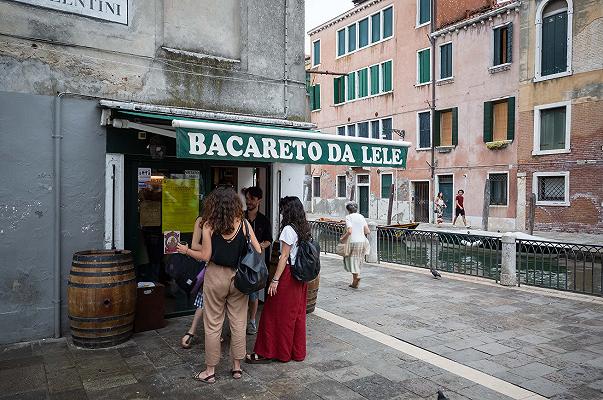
343 16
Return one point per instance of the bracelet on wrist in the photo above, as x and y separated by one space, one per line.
274 280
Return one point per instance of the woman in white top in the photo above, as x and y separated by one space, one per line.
282 331
356 231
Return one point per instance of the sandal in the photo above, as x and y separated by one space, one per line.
355 283
254 358
189 340
236 373
208 379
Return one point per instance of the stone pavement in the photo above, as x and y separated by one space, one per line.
549 345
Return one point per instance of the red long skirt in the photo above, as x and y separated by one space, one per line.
282 331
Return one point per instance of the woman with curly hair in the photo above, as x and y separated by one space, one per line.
224 243
282 332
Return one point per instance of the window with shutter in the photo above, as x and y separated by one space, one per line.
316 53
351 86
437 128
446 128
488 136
423 73
386 185
315 97
375 27
351 38
424 11
455 126
375 134
386 128
446 61
363 82
386 68
352 130
339 90
554 44
341 42
375 79
388 20
502 45
511 118
363 33
500 120
316 186
424 130
552 128
341 186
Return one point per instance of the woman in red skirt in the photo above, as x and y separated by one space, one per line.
282 330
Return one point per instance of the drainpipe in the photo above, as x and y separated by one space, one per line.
57 137
432 40
285 65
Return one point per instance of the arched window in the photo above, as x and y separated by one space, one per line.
553 39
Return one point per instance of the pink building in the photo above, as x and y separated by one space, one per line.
384 49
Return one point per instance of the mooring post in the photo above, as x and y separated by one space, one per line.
508 268
372 257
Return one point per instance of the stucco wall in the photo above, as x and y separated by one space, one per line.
27 205
128 62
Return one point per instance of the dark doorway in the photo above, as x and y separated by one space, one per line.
363 200
421 201
445 185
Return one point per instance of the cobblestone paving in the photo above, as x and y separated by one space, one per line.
548 345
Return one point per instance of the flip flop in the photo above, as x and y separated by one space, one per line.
254 358
235 372
211 379
189 340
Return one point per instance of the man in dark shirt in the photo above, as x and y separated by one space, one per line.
460 207
263 232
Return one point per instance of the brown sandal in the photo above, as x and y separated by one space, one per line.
211 379
254 358
236 373
355 283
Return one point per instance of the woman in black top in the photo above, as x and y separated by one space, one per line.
223 244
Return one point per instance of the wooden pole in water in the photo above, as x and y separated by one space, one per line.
486 209
391 205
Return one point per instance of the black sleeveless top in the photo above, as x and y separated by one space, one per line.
227 253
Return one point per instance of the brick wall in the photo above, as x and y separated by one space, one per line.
451 11
585 213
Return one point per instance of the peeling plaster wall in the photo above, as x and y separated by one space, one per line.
45 52
27 203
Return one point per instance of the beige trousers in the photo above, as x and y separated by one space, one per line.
220 296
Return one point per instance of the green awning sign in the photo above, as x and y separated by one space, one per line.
288 146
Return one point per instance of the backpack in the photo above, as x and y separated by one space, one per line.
307 260
184 270
252 272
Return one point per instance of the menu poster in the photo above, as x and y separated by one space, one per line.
180 204
170 241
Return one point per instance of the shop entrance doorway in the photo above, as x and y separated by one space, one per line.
162 200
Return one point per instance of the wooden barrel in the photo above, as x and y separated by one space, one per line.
312 294
102 297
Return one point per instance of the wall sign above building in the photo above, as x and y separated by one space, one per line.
301 148
108 10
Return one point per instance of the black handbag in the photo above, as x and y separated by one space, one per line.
184 270
252 273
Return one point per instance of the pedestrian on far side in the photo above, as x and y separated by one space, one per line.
460 207
356 231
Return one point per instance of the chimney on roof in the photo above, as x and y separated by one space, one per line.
358 2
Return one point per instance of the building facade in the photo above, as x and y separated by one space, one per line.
88 95
476 78
561 115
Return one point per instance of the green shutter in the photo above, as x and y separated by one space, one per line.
386 185
424 70
436 128
341 42
509 43
455 126
497 42
351 86
363 33
363 82
387 76
375 28
488 134
312 98
424 11
511 119
339 90
351 38
374 79
388 22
